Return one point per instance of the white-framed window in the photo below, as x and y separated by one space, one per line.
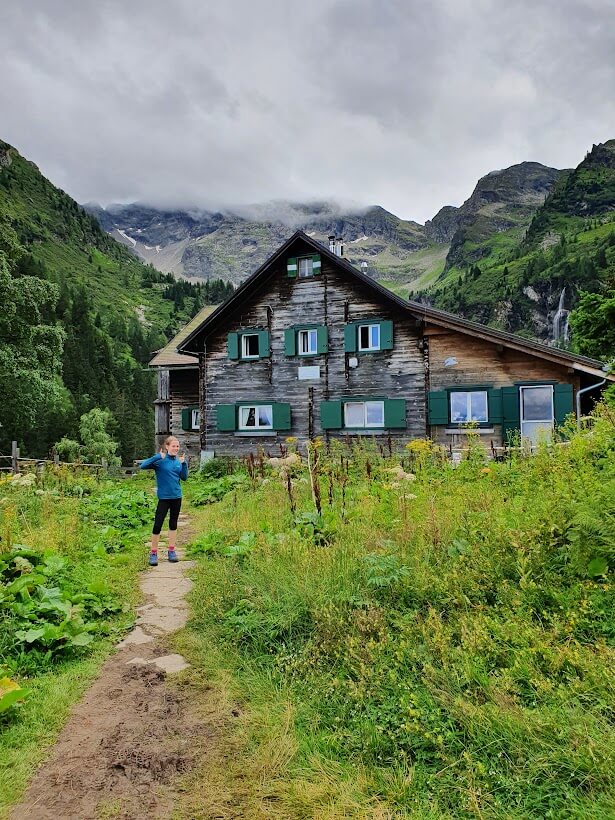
249 346
468 406
305 267
537 412
364 414
195 419
307 342
369 337
256 417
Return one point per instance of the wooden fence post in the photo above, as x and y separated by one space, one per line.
14 457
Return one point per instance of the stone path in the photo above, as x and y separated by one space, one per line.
133 734
165 588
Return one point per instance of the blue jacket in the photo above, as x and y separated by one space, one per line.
169 470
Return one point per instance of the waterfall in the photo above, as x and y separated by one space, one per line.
561 330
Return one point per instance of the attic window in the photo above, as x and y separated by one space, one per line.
306 268
303 267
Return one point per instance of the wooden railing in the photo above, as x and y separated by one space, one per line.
15 463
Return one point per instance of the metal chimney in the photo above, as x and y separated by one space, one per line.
339 246
332 243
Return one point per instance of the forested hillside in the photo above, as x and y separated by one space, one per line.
565 262
81 317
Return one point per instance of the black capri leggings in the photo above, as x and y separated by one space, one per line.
164 505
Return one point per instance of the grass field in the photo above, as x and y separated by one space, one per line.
432 648
377 634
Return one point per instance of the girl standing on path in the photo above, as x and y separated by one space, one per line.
169 468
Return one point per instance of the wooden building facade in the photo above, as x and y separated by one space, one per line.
309 346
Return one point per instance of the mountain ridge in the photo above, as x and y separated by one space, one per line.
231 244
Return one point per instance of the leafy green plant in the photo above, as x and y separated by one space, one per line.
216 468
211 543
212 490
384 570
121 507
11 695
40 607
315 528
242 548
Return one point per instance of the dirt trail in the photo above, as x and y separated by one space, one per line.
133 734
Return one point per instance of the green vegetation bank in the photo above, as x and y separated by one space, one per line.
80 318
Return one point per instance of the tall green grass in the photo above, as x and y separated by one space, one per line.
429 648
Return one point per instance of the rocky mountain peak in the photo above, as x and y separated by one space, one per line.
444 224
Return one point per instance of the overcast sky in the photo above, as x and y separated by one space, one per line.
399 103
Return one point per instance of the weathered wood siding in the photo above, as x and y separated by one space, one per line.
481 362
162 405
330 299
183 392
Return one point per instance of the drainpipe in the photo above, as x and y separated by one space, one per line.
579 394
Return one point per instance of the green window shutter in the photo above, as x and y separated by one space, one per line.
290 341
386 335
322 339
437 402
291 266
350 338
187 418
562 402
263 344
226 417
511 422
281 416
232 344
331 415
395 413
494 403
316 266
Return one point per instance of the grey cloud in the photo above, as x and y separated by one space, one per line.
398 103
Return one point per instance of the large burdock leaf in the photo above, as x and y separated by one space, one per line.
11 693
597 566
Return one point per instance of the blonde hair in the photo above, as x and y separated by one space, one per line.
169 439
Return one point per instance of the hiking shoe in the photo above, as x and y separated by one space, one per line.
173 557
153 559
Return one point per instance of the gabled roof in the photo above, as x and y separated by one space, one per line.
418 311
168 356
